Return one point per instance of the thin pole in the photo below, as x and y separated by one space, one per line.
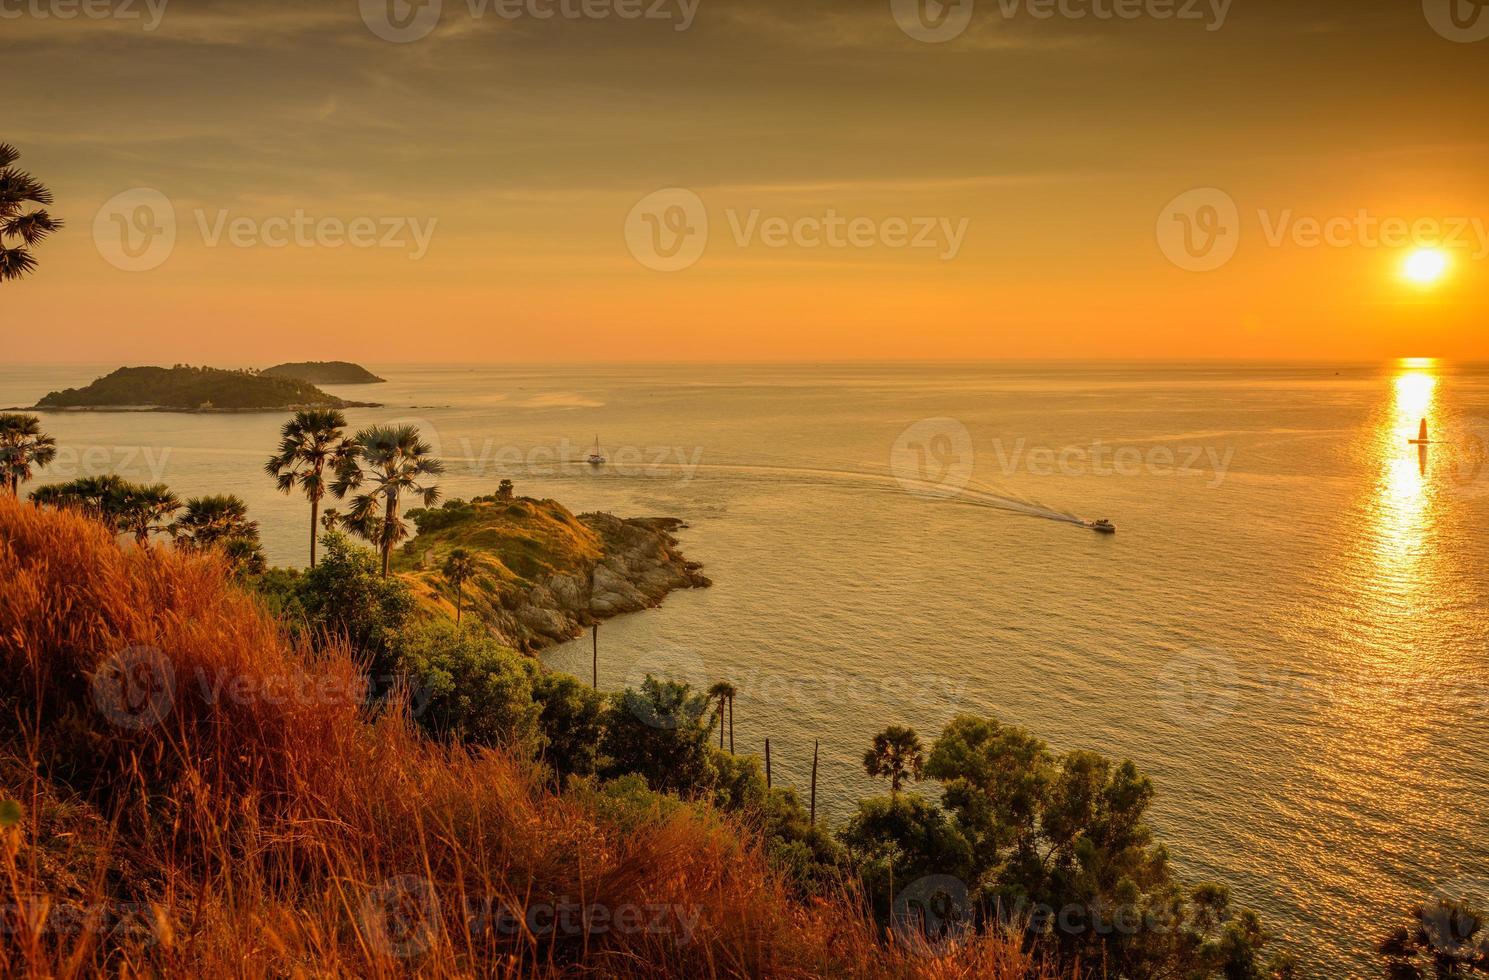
815 746
594 636
767 763
731 725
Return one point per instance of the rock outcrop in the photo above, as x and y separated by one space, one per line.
543 574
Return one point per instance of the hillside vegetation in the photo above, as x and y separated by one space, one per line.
184 388
184 790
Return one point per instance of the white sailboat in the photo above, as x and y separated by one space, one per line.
596 457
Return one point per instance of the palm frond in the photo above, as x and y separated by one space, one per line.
16 263
30 228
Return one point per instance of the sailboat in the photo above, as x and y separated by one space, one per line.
1421 442
596 458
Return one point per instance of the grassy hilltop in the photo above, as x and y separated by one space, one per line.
543 574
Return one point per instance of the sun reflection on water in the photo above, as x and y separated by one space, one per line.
1403 501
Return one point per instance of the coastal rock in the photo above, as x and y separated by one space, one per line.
547 575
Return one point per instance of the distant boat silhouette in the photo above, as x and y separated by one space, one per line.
1421 442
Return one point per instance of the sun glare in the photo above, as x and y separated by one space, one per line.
1426 266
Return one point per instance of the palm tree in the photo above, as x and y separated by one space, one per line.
896 755
310 443
395 459
22 446
94 495
142 510
206 521
724 693
459 566
17 190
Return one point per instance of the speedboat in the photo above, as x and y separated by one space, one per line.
1102 526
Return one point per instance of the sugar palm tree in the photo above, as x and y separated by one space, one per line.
24 448
97 496
27 228
395 460
896 755
724 693
143 510
312 445
459 566
206 521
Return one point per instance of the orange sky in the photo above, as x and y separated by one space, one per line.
1034 159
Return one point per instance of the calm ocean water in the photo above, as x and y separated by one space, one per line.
1289 633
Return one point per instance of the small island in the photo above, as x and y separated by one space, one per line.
543 574
193 389
324 373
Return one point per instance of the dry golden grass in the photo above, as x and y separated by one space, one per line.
247 818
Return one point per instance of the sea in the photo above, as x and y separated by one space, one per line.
1288 632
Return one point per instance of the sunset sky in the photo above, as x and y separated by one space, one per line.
1055 146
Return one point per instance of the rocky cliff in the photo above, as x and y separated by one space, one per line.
542 574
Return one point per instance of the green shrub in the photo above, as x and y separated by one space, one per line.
469 687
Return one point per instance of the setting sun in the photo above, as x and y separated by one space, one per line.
1426 266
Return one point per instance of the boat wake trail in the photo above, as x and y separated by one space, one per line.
973 493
